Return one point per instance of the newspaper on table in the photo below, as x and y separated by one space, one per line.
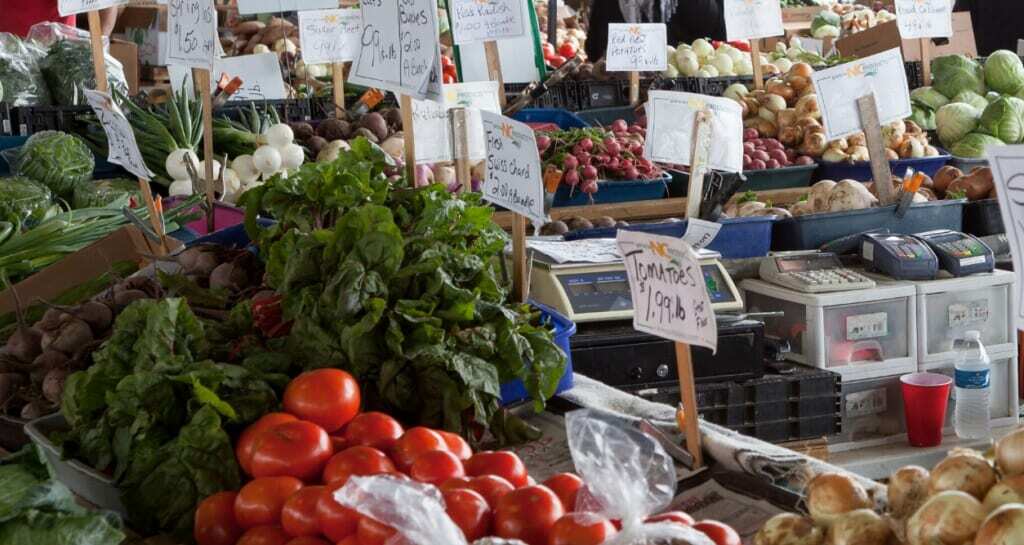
712 501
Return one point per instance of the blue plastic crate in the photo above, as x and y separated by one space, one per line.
739 238
603 117
861 170
610 191
563 118
515 391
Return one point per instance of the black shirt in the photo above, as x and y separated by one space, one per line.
693 19
997 23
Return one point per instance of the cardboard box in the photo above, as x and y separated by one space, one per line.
887 36
141 16
127 53
125 244
802 14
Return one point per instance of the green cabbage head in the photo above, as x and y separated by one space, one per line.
929 97
974 99
1004 119
973 145
955 121
955 73
1004 72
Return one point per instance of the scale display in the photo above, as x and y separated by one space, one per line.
609 291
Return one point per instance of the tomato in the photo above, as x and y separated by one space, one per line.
527 514
548 48
567 50
326 397
448 78
456 444
455 483
298 516
556 60
672 516
373 429
371 532
339 443
336 521
581 529
436 467
307 540
565 486
491 487
501 463
215 520
412 443
356 461
259 502
247 440
264 535
446 61
350 540
297 449
469 511
721 534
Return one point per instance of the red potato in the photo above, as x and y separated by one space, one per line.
760 155
778 155
757 164
772 164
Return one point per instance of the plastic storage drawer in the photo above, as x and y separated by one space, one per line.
858 334
1004 402
948 308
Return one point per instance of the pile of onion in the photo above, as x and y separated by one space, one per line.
830 495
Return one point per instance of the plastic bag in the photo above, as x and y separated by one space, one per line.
67 67
415 510
628 476
20 77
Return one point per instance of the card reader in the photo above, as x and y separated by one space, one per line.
959 254
902 257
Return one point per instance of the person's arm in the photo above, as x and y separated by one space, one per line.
108 18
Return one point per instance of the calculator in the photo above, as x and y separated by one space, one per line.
959 254
812 273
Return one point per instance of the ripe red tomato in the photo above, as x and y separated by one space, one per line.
371 532
373 429
469 511
581 529
298 516
672 516
527 514
336 521
259 502
721 534
297 449
326 397
412 443
264 535
567 50
307 540
501 463
356 461
436 467
215 520
247 440
446 61
491 487
565 486
350 540
548 48
455 483
556 60
448 78
456 444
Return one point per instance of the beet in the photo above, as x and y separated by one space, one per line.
367 134
303 131
72 337
127 297
34 410
315 144
97 315
604 221
375 123
554 228
229 277
334 129
578 223
24 344
393 116
53 385
9 384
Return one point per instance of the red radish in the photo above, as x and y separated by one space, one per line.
637 149
612 164
630 173
641 120
589 187
645 163
619 126
543 143
612 147
571 177
570 162
636 129
757 164
586 144
589 173
584 158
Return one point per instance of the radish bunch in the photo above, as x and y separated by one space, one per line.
769 153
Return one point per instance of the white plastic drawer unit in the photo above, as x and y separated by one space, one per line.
1004 398
948 308
858 334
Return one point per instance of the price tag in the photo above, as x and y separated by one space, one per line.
249 7
405 61
670 299
839 88
752 19
700 233
433 136
122 150
73 7
636 47
329 35
486 20
261 76
1008 174
924 18
513 178
670 117
192 33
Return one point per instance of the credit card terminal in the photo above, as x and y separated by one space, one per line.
959 254
902 257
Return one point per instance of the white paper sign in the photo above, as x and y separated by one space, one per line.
433 130
1007 164
700 233
191 33
476 97
249 7
399 47
670 299
261 76
636 47
924 18
839 88
486 20
329 35
122 147
752 19
72 7
670 117
513 178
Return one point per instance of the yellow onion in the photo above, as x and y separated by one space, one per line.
1010 454
1010 490
829 495
965 471
947 518
789 529
859 527
1005 526
908 488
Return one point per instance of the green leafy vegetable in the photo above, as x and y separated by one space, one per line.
96 193
955 121
973 145
955 73
68 71
1004 72
929 97
20 77
1004 119
22 199
974 99
57 160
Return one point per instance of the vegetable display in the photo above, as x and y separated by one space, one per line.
706 59
23 200
57 160
99 193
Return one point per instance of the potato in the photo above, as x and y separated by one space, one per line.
944 177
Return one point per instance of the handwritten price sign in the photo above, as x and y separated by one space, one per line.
670 118
636 47
752 19
73 7
404 61
123 150
249 7
670 299
329 35
513 178
486 20
838 89
924 18
192 33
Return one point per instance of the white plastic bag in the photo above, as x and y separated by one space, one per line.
627 476
415 510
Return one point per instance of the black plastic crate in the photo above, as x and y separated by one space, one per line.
28 120
915 74
289 110
794 429
716 86
8 125
603 94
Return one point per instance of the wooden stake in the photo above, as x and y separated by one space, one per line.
201 77
634 88
460 137
926 60
880 170
494 69
519 273
155 215
698 162
338 74
686 416
755 60
99 64
405 102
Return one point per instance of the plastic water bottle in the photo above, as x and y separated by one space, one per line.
973 388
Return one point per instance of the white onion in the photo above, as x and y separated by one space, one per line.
947 518
216 169
859 527
292 156
175 163
789 529
267 160
908 488
232 186
1005 526
965 471
832 494
279 135
1010 454
245 168
180 188
1009 490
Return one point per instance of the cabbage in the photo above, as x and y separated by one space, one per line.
923 116
1004 119
826 18
973 145
954 73
993 96
974 99
929 97
954 121
1004 72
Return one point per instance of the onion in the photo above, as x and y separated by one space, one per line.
964 471
180 188
789 529
175 163
908 488
1010 490
1003 527
859 527
279 135
947 518
1010 454
800 69
831 494
244 167
777 87
267 159
292 156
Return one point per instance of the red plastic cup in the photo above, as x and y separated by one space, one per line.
925 398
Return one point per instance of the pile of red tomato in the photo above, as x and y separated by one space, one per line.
449 73
557 57
300 457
